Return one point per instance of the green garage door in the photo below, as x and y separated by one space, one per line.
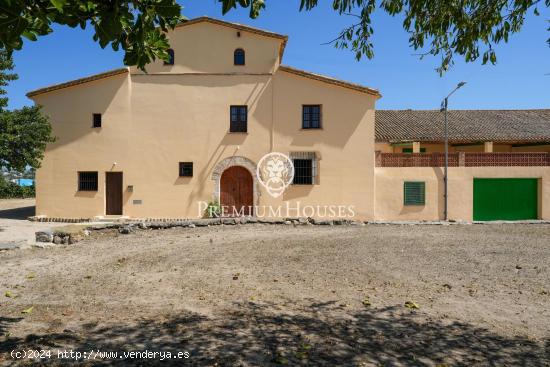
505 198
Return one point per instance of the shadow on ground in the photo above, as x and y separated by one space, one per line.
319 334
17 213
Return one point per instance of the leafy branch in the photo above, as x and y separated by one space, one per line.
137 26
467 28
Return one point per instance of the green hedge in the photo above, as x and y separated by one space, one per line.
10 190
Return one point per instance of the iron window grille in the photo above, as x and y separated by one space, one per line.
311 117
171 57
239 57
186 169
96 120
414 193
87 181
238 119
305 168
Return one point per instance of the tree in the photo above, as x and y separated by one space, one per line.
445 28
6 66
136 26
24 133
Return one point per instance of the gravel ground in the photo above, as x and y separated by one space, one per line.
284 295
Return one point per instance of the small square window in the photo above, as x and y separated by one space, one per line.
96 121
414 193
186 169
87 181
311 117
238 119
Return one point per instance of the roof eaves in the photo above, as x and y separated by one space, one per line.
79 81
326 79
238 26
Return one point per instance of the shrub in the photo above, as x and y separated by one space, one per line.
213 210
10 190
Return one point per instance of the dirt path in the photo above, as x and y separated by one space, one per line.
283 295
15 229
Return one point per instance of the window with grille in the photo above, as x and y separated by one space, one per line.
96 120
186 169
239 117
311 117
171 57
239 57
87 181
305 168
414 193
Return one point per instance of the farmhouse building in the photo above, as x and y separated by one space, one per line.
499 164
192 131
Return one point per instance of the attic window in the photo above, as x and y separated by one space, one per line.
96 120
239 57
170 57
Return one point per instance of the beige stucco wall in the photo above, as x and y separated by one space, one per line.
389 190
208 48
152 122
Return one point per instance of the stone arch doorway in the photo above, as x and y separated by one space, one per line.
233 161
237 191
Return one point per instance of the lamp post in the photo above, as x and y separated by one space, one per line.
444 106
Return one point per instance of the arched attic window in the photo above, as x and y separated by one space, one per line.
170 57
239 57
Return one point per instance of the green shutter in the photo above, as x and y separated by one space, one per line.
414 193
410 150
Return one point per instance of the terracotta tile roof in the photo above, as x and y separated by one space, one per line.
464 125
72 83
326 79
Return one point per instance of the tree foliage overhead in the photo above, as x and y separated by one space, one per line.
136 26
24 133
444 28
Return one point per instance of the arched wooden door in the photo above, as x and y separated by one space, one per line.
236 191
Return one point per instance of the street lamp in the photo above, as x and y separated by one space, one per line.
444 107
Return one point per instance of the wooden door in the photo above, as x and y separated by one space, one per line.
236 191
113 193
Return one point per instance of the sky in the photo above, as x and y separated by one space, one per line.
518 81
